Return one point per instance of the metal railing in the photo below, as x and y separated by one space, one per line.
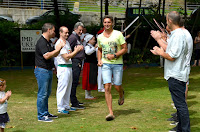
83 5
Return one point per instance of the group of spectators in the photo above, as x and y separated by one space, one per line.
68 55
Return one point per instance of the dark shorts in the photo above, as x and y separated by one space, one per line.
4 118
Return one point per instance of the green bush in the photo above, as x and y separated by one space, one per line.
10 44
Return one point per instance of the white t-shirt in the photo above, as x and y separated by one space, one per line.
3 107
66 49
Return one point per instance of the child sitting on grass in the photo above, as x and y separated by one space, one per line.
4 96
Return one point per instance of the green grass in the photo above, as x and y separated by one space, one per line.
147 105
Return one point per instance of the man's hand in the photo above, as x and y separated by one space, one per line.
128 36
96 45
100 63
156 34
110 56
60 45
164 36
78 48
157 51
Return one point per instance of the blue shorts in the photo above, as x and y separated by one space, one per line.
112 70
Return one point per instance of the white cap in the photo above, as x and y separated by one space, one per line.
88 37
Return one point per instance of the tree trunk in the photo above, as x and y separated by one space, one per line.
106 7
101 13
136 33
163 12
158 9
56 13
185 14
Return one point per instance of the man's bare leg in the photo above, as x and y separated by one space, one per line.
108 97
119 90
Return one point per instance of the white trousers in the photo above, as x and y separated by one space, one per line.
100 79
64 75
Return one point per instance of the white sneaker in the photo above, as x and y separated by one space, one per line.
101 90
90 98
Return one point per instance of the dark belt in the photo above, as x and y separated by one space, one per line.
43 68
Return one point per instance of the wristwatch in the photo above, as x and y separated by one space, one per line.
115 56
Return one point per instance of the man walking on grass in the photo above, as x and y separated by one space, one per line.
112 46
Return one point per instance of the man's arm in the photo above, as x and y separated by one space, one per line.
159 51
99 56
72 54
89 50
157 36
119 53
55 52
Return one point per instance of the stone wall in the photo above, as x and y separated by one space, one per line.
20 15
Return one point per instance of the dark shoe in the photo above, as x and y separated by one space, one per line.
45 119
174 123
78 107
121 100
174 114
80 103
173 119
110 117
52 116
173 129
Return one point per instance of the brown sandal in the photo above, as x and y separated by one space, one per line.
121 100
110 117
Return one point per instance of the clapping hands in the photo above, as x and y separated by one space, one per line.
157 51
78 48
8 94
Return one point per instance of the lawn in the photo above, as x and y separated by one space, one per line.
147 105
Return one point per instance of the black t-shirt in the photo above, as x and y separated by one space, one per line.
42 47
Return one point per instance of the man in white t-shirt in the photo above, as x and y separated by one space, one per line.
64 72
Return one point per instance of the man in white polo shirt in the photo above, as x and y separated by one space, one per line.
64 71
